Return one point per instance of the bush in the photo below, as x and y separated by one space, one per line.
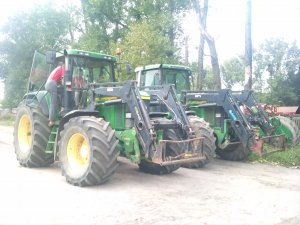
6 117
289 157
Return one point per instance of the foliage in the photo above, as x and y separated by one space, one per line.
42 29
276 65
93 41
3 67
7 118
104 21
276 72
108 22
208 81
232 71
289 157
143 45
147 32
161 13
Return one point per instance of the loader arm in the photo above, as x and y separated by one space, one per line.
128 93
258 114
166 95
224 99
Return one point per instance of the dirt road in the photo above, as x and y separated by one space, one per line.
222 193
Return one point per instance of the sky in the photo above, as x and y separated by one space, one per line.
225 22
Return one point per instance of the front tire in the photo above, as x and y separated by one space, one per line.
234 152
173 150
290 130
31 134
202 129
88 151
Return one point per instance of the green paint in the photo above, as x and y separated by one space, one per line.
129 145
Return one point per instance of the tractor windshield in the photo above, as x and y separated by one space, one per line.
91 70
180 78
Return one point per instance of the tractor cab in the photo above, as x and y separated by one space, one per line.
82 70
159 74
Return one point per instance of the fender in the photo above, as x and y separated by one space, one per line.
75 113
38 99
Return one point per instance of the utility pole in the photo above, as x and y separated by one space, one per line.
186 52
248 47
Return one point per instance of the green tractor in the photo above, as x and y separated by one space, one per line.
235 136
268 126
99 120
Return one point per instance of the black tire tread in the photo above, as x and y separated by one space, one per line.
37 156
104 153
236 152
202 128
291 125
153 168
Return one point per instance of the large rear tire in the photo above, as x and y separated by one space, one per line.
88 151
31 134
234 152
293 133
148 166
202 129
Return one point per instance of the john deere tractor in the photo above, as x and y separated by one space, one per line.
268 125
233 133
98 119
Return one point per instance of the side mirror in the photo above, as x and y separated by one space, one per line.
128 68
50 57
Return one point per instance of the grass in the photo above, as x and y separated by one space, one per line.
290 157
7 119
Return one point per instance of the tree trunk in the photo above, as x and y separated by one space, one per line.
201 70
202 15
186 52
214 61
212 47
248 48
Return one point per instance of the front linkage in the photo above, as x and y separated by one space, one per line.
147 127
267 129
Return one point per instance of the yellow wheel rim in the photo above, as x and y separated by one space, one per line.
24 134
78 151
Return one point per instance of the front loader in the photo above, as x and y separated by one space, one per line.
283 127
162 101
98 120
235 136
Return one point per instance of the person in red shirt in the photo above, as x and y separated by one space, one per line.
53 81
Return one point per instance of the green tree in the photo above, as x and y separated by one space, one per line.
143 45
107 22
42 28
276 65
208 77
165 14
233 72
3 67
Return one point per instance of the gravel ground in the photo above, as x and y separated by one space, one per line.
221 193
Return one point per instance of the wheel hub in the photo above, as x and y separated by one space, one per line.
24 134
78 151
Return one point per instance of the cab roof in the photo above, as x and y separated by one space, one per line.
164 66
75 52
